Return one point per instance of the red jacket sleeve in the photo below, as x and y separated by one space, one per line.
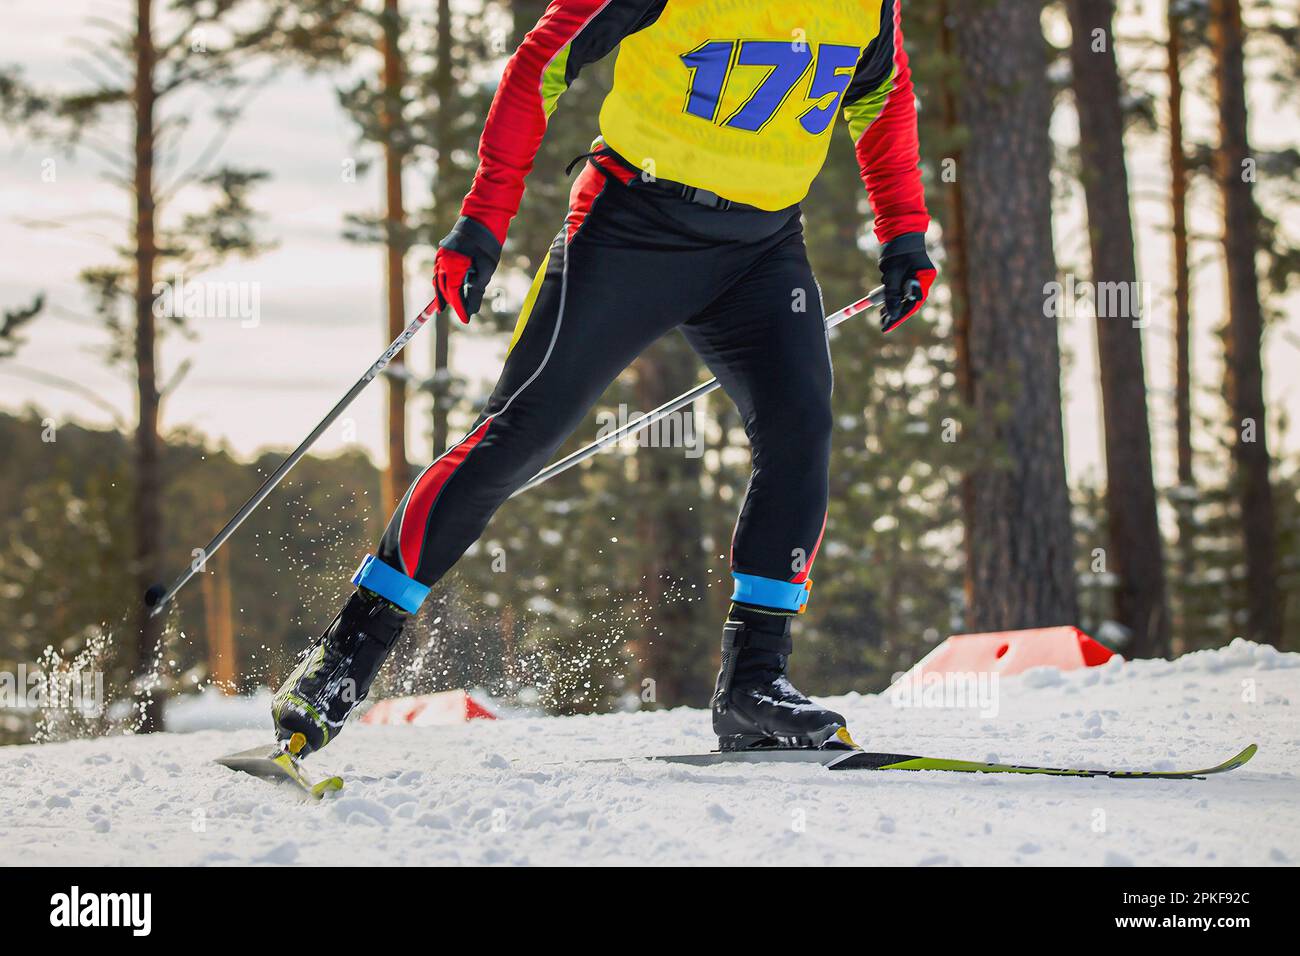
880 107
570 34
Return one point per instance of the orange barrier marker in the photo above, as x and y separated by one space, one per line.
1011 652
427 710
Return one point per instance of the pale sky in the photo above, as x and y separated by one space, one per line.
321 299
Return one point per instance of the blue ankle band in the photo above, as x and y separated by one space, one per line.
769 592
390 584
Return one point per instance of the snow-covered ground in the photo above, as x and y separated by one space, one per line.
510 792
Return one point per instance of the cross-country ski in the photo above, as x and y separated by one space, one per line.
855 759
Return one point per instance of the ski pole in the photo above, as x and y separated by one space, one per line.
874 297
156 598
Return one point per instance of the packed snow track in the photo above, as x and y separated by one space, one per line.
516 791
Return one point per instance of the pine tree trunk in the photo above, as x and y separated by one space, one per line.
396 476
219 617
958 269
227 654
1182 304
1136 554
148 480
1021 552
445 213
1245 373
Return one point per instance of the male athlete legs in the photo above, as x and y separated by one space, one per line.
766 342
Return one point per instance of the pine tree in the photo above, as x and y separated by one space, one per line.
160 57
1245 374
1021 546
1136 549
1179 175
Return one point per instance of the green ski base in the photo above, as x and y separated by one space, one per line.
275 765
864 760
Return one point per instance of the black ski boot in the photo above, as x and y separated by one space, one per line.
334 674
755 705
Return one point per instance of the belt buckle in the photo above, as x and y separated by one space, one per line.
703 197
709 199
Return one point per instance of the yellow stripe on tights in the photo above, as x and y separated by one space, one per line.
529 299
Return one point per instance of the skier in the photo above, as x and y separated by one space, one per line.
686 214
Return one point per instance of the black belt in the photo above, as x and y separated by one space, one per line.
692 194
703 197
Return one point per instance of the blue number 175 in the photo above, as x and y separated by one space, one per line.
711 66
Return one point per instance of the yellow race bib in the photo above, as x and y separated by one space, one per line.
737 96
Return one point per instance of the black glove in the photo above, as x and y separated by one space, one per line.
908 274
463 266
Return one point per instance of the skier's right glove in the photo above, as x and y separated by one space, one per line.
463 266
908 274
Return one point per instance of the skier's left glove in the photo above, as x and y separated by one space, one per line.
908 274
463 266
